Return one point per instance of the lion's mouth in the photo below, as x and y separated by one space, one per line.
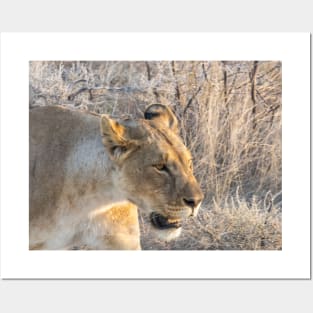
161 222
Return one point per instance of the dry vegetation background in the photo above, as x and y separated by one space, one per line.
230 118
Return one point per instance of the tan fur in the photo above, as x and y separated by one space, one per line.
89 173
116 228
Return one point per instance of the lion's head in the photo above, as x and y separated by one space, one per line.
153 168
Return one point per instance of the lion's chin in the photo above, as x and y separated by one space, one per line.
164 228
161 222
169 234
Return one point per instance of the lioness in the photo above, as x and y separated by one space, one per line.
89 173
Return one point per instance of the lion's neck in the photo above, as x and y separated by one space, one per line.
89 182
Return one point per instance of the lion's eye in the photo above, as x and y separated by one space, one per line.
161 167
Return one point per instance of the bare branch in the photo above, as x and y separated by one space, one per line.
253 91
177 91
156 94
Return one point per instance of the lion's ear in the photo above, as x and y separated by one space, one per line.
114 137
162 115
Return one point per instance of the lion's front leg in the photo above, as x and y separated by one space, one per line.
116 228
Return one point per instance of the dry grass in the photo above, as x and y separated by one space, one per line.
235 225
230 116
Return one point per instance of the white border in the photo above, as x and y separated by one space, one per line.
18 49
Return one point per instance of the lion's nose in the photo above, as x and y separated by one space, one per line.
192 202
192 197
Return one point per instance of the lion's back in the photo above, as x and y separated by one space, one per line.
53 132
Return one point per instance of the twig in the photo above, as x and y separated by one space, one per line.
72 96
157 96
198 90
191 99
262 98
204 71
225 82
177 91
233 82
259 77
253 91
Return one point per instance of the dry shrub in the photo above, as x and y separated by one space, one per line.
230 116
